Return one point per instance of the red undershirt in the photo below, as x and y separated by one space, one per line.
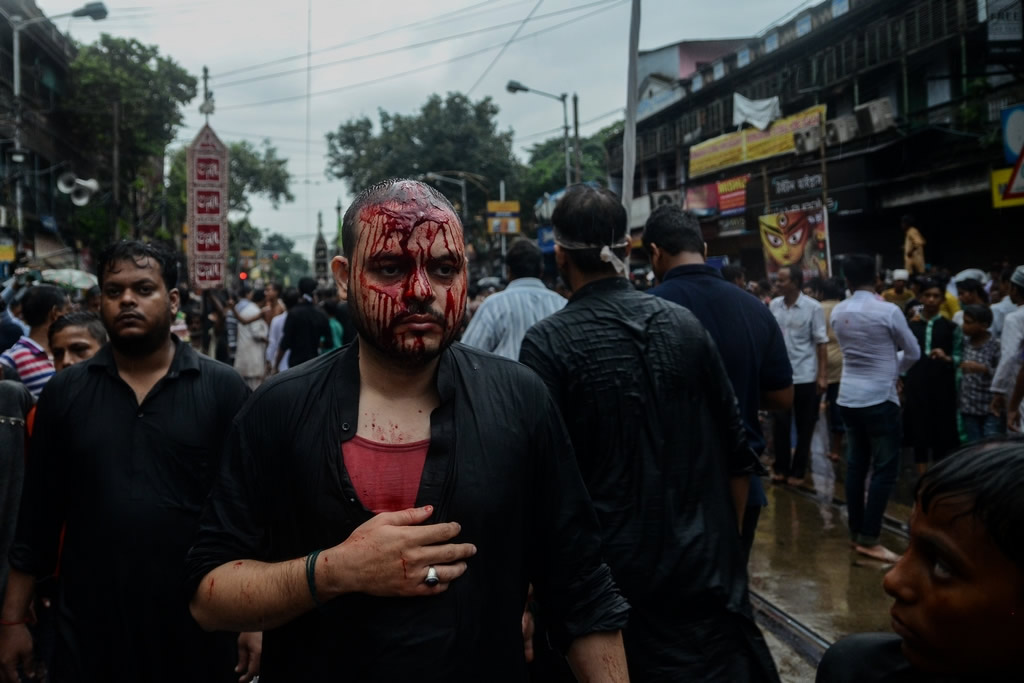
386 476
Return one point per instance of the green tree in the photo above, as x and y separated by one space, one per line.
252 172
286 265
149 91
545 170
447 134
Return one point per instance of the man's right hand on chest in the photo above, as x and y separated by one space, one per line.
391 555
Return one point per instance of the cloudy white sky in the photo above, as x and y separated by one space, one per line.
584 52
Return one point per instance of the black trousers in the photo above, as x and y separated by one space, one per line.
791 462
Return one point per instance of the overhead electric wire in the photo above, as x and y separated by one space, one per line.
420 69
362 39
552 131
504 47
412 46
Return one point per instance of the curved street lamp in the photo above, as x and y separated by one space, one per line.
459 178
515 86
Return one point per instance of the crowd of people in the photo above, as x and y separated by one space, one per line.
303 483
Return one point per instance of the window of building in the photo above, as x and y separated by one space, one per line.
743 57
697 82
840 7
718 70
803 26
771 42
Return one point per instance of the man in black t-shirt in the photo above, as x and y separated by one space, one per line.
305 328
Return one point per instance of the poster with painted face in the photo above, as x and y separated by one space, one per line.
796 238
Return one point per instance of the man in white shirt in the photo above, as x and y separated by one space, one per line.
877 347
502 320
289 298
251 339
1010 342
802 321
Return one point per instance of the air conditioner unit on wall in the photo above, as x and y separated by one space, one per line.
841 129
875 116
807 140
661 197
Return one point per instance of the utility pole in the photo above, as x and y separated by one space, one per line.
576 138
207 107
16 22
565 122
116 209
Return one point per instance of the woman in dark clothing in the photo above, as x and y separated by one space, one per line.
930 412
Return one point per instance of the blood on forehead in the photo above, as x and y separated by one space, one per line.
409 221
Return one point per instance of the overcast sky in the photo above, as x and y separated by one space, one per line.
586 54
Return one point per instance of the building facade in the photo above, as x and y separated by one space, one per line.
884 108
46 151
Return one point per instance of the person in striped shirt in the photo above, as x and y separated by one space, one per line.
30 355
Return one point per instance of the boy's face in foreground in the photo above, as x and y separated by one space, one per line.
959 601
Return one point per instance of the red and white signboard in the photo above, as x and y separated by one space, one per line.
207 162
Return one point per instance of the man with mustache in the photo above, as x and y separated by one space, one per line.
383 508
124 451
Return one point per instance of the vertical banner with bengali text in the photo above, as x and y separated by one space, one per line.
797 238
207 168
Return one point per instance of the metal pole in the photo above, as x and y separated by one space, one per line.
117 171
16 45
576 136
465 207
565 131
501 197
629 128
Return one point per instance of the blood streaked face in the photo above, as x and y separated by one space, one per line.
407 281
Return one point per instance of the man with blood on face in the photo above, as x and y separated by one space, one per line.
384 507
407 280
958 590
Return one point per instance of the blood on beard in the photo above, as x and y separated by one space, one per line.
409 277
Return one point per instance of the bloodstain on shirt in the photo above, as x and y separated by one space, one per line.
386 476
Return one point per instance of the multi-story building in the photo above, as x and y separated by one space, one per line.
46 54
886 108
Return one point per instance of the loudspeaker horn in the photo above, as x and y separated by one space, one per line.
83 191
66 182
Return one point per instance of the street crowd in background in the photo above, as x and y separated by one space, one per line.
298 483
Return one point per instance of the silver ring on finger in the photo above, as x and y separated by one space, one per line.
432 579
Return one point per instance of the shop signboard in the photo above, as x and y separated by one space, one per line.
751 144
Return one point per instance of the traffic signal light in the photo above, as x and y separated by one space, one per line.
243 275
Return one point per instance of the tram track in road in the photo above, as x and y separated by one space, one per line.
803 640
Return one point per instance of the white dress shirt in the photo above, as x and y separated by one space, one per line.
502 320
803 329
274 341
1009 359
999 312
877 346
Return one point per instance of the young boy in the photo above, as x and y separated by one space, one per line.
958 591
980 358
75 337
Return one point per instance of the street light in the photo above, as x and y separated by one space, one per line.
515 86
93 10
460 179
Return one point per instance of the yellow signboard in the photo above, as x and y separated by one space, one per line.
752 144
1000 178
6 251
503 218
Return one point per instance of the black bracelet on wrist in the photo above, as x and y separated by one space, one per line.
311 575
